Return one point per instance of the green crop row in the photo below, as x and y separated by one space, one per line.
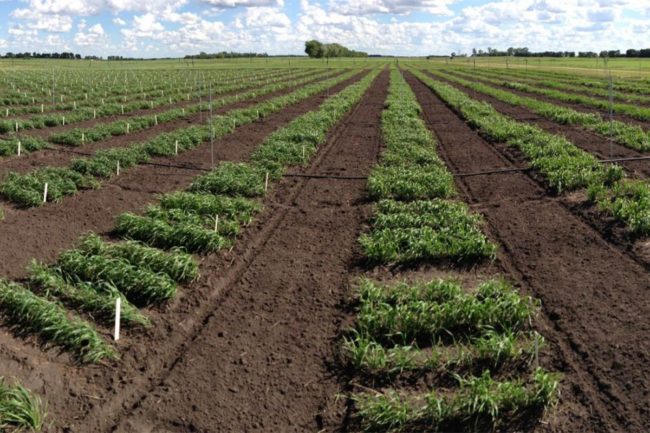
565 166
206 217
20 409
427 226
626 134
634 111
441 328
89 279
27 144
576 85
479 404
85 113
28 189
81 136
159 95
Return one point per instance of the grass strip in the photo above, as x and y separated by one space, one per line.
28 312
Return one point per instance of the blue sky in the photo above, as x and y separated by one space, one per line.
155 28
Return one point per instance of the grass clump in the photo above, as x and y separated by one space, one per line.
27 189
20 408
424 231
28 312
478 404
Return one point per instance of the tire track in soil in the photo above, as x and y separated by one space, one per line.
62 155
259 361
594 297
42 233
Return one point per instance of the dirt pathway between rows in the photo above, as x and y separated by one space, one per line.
594 296
41 233
260 361
589 141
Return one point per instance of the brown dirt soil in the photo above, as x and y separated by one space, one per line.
594 297
42 233
61 155
259 361
645 124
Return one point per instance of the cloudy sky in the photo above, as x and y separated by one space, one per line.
155 28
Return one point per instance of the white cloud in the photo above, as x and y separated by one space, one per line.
169 27
39 21
400 7
244 3
92 37
93 7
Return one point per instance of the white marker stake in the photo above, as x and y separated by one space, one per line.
63 120
42 108
7 112
128 128
45 193
155 119
118 314
16 126
176 147
303 153
216 224
94 113
118 167
19 148
266 182
122 109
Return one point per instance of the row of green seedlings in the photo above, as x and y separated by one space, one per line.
624 87
53 184
573 87
16 145
203 90
633 111
476 351
83 114
632 136
89 279
81 136
565 166
87 99
185 221
416 220
20 409
204 219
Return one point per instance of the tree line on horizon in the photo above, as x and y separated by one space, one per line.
525 52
